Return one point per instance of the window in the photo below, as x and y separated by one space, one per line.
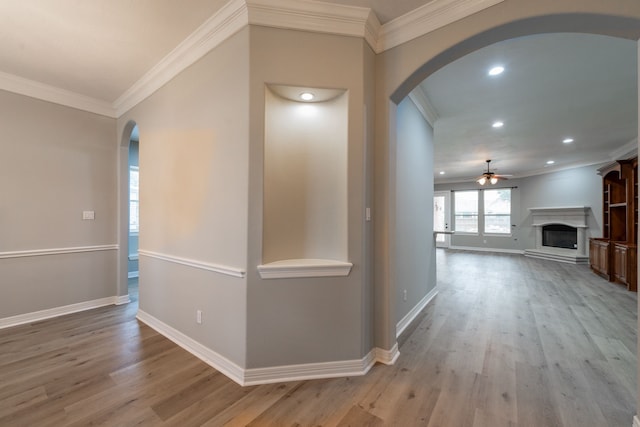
134 200
466 211
497 211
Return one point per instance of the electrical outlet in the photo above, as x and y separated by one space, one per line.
199 317
404 295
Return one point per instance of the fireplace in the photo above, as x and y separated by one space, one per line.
561 234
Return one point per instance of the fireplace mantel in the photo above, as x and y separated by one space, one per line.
573 216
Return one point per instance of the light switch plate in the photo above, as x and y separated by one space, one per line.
88 215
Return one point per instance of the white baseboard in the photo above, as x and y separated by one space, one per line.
274 374
133 274
482 249
37 316
636 421
210 357
413 313
122 299
309 371
387 357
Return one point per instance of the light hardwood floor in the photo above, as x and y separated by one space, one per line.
508 341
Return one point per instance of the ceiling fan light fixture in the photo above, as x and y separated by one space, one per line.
489 177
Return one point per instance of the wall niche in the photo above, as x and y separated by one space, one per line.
305 183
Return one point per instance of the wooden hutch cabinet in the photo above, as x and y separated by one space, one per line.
613 256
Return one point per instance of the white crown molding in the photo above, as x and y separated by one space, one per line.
415 311
295 268
316 16
428 18
56 251
207 355
37 316
216 268
302 15
628 150
230 19
41 91
422 102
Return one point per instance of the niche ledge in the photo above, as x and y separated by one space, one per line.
291 268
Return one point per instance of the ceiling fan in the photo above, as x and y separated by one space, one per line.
490 177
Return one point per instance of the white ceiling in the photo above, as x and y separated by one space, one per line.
554 85
97 48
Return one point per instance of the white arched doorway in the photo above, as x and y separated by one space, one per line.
125 258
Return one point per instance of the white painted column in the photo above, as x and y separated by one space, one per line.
582 241
538 237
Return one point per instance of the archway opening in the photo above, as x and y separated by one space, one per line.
128 222
134 214
577 23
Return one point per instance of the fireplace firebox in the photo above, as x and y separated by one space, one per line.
560 236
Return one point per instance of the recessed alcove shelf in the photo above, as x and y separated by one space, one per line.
295 268
305 219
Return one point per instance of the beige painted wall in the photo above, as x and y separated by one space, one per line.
193 197
56 162
308 320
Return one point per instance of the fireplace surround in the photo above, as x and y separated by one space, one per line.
561 220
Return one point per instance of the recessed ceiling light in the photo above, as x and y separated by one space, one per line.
441 172
307 96
497 124
499 69
567 140
550 162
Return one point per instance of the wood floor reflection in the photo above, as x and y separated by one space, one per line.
508 341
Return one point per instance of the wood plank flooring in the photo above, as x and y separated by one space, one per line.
508 341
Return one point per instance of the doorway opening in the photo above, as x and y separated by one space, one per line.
442 218
134 214
128 226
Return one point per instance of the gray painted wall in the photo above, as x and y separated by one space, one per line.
56 162
415 262
193 197
320 319
571 187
